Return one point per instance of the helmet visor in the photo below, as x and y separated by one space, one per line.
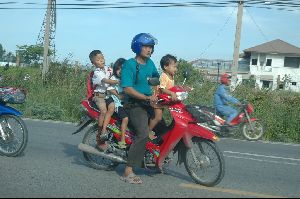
149 40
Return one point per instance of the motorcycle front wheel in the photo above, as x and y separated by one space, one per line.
13 135
204 162
96 162
253 134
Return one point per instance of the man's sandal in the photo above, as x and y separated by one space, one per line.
132 179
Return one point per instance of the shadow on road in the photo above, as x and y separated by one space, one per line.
152 173
72 151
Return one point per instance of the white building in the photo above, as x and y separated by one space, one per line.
10 63
275 64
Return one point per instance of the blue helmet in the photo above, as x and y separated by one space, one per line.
142 39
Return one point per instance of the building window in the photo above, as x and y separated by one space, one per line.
254 62
266 84
269 62
294 83
280 86
292 62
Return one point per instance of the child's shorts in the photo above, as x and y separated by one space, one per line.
120 112
99 99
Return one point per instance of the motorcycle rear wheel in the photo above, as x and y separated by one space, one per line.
250 135
96 162
15 138
204 162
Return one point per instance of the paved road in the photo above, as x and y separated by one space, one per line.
52 166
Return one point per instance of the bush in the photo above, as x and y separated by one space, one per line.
279 110
60 96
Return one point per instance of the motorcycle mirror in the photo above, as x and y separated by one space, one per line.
154 81
186 74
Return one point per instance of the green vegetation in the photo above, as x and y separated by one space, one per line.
59 98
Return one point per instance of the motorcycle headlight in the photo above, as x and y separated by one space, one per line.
182 95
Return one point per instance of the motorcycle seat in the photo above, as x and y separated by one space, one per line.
90 104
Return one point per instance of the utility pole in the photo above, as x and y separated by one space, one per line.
17 58
235 65
46 41
48 30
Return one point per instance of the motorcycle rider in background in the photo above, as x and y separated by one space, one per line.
222 97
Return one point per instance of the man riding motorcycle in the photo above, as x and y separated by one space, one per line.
135 73
222 98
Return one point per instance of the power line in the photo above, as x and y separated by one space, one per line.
286 5
218 33
259 29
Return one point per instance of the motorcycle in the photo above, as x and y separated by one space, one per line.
13 131
194 143
251 129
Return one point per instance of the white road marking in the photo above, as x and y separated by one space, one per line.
270 161
266 142
265 156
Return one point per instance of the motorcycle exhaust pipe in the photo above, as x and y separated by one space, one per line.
92 150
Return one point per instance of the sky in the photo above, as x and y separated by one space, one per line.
189 33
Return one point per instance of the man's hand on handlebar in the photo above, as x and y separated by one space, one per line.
174 96
239 104
152 99
186 88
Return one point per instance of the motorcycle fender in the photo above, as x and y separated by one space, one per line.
9 110
181 149
253 119
197 131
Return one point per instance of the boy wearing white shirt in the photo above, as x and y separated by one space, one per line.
100 82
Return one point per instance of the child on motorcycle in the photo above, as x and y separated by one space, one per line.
100 82
114 102
168 64
222 97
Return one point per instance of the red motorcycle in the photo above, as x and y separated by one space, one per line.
251 128
194 143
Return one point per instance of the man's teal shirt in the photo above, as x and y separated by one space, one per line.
147 70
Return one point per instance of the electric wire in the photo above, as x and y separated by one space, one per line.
286 5
218 33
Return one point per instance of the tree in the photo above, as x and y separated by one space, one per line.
9 57
6 57
31 53
2 52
